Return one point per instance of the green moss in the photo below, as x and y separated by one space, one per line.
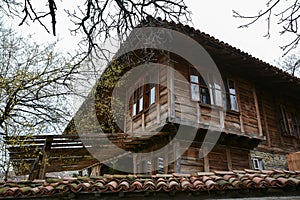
3 189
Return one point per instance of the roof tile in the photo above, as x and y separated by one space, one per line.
236 179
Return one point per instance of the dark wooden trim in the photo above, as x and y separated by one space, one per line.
171 90
257 111
228 156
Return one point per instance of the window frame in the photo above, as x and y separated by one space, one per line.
257 164
143 94
218 96
289 122
200 84
229 94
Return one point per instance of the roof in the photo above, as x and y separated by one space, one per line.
277 181
254 68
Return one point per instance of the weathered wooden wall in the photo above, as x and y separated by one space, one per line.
269 105
174 105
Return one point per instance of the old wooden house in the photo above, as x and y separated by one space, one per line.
257 106
254 106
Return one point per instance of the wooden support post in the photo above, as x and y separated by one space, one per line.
257 112
47 147
228 156
42 171
177 162
206 160
33 174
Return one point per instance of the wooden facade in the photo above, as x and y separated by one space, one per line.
266 117
256 105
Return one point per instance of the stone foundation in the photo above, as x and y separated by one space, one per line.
270 161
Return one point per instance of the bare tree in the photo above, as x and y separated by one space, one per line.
97 20
290 64
34 82
278 12
35 85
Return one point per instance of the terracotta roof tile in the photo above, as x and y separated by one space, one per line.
241 180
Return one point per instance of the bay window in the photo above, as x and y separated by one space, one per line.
145 95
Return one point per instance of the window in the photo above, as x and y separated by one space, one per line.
231 96
257 163
138 101
289 122
199 89
150 89
160 165
295 125
213 93
145 95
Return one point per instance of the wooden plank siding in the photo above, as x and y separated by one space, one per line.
174 105
276 142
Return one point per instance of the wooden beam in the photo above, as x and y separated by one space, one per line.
206 159
257 112
171 93
265 122
157 99
228 156
240 108
47 147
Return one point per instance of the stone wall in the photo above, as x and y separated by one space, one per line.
270 161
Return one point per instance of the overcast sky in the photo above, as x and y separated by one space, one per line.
214 17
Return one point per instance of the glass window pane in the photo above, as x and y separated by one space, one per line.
205 96
233 102
152 95
194 79
141 101
195 92
134 109
211 93
160 165
219 100
231 87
